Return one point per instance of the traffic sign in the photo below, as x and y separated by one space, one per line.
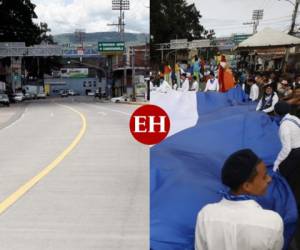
111 46
195 44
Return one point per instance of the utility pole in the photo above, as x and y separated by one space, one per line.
121 5
291 32
125 70
256 16
133 75
79 33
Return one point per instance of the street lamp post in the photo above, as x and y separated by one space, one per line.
256 16
122 5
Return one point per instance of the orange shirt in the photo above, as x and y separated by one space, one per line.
226 79
229 81
167 69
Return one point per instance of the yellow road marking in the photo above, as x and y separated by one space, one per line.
28 185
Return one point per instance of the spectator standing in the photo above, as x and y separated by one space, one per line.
151 84
185 83
225 77
164 86
260 83
212 83
195 84
296 84
268 100
177 73
254 90
167 73
196 68
284 89
288 159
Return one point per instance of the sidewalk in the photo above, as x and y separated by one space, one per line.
10 114
137 102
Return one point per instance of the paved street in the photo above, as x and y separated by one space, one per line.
96 197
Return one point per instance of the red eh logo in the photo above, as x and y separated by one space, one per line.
149 124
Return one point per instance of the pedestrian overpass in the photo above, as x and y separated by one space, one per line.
19 49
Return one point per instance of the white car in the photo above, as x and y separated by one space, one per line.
71 92
120 99
41 95
19 97
91 93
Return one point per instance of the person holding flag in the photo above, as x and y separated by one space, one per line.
238 221
225 76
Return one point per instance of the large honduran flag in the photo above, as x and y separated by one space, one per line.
185 168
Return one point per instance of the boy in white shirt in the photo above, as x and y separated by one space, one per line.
212 83
195 84
238 222
254 90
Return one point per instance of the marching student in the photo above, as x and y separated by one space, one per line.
238 222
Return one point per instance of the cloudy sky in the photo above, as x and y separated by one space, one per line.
64 16
227 16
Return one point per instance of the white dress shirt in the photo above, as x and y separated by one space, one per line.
164 87
212 85
274 101
185 85
151 86
254 92
195 86
289 134
238 225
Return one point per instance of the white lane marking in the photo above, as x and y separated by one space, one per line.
113 110
15 122
102 113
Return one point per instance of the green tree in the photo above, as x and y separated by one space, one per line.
174 19
16 23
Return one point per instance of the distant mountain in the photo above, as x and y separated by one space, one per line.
94 38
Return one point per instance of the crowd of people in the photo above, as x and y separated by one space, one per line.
190 77
238 221
216 75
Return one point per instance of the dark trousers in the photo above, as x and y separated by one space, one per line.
290 169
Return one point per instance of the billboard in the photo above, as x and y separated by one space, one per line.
140 86
74 72
179 44
195 44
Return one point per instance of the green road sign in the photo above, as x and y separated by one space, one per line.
111 46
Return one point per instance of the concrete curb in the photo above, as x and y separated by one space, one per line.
137 103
